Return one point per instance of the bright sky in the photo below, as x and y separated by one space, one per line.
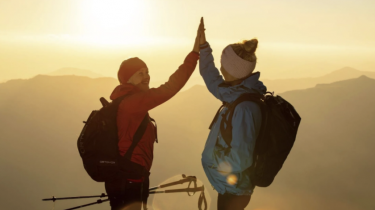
40 36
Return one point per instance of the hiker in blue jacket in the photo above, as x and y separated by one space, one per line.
227 167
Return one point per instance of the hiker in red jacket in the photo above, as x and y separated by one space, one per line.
131 191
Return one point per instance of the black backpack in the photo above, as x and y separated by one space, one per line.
278 132
98 145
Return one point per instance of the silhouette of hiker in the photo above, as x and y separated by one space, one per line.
226 167
129 192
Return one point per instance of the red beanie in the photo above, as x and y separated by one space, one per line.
128 68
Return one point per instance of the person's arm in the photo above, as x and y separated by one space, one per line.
207 69
147 100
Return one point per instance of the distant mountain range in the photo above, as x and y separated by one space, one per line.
76 72
303 70
276 85
330 166
282 85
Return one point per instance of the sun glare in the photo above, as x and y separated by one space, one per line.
114 21
232 179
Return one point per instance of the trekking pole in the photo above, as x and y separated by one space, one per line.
78 197
182 181
190 179
197 189
89 204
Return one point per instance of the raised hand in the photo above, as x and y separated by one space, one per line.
202 38
197 39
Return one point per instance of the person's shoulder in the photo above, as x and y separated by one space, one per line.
247 106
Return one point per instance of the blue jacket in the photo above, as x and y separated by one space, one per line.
220 162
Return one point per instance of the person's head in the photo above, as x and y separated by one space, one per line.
238 60
135 72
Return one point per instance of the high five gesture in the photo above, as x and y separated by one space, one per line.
200 38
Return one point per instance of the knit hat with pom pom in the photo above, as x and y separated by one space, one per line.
235 65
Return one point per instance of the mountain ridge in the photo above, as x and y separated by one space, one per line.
283 85
75 71
42 118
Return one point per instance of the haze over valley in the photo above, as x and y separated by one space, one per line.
328 167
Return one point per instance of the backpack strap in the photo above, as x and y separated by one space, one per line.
137 136
129 169
217 114
226 121
133 170
140 131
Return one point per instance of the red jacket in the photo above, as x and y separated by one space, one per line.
137 104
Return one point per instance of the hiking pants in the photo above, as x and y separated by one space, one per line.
232 202
127 195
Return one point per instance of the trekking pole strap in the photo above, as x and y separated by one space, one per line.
202 200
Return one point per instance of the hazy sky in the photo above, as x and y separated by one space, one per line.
298 38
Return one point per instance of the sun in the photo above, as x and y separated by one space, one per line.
114 21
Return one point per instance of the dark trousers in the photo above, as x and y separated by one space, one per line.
127 195
232 202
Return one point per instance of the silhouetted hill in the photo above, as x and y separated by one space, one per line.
303 70
40 121
335 144
330 166
76 72
282 85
